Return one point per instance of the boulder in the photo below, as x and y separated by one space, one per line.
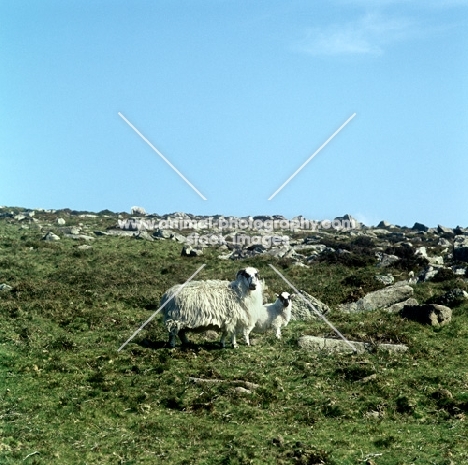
385 225
143 235
302 310
460 248
5 287
382 298
385 279
431 314
162 234
315 343
385 259
396 308
60 221
452 297
420 227
50 236
444 230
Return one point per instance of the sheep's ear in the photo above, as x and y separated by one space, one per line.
291 297
277 296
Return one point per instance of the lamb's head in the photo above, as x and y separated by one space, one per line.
285 298
249 277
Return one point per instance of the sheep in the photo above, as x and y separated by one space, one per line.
213 304
275 315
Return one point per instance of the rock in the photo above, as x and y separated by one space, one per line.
84 247
385 279
60 221
79 236
50 236
138 211
143 235
459 270
162 233
431 314
382 298
175 236
460 248
301 310
420 227
396 308
188 251
385 225
452 297
5 287
315 343
428 273
444 230
385 259
442 242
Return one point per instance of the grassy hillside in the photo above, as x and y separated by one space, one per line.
68 397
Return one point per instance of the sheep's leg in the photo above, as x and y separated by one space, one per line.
172 340
246 336
223 339
183 337
233 339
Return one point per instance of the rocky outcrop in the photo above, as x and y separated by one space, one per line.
301 310
314 343
380 299
430 314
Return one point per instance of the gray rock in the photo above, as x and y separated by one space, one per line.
83 237
385 279
460 248
420 227
162 233
396 308
60 221
315 343
459 270
188 251
50 236
444 230
5 287
431 314
428 273
175 236
452 297
442 242
301 310
385 260
385 225
382 298
143 235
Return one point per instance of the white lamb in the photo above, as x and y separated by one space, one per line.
213 304
274 316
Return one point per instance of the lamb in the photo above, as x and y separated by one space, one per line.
274 316
213 304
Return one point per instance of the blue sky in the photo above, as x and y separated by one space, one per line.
237 95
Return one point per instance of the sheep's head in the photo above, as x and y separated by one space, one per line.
285 298
250 277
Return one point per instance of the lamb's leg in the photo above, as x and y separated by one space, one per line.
246 336
233 339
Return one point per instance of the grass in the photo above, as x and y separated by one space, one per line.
67 396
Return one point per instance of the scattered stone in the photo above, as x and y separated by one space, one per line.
84 247
396 308
385 279
5 287
428 273
442 242
452 297
444 230
188 251
385 225
60 221
420 227
431 314
162 233
79 237
50 236
315 343
301 310
459 270
175 236
385 260
460 248
143 235
138 211
382 298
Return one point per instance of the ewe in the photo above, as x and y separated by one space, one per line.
213 304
